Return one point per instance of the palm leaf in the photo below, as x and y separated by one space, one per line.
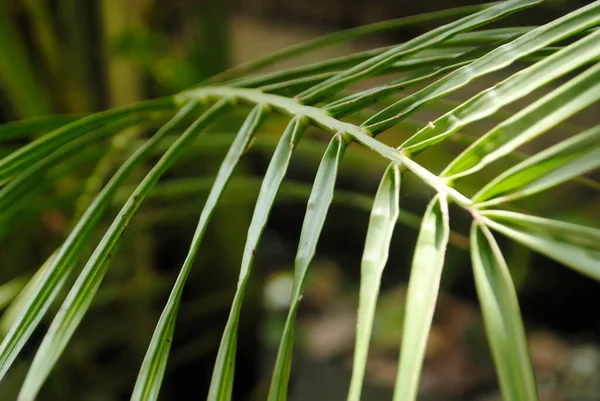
222 382
379 235
502 317
321 94
423 287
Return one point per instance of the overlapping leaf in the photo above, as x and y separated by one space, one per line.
452 49
342 37
222 381
505 55
43 146
384 216
149 380
502 318
571 244
316 212
435 36
40 299
534 120
83 291
557 164
423 288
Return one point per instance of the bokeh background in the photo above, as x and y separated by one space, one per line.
73 57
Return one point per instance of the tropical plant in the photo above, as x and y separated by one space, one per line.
323 95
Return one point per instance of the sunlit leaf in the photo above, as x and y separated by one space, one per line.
423 288
502 318
316 212
384 216
495 60
571 244
435 36
150 377
83 291
557 164
342 37
222 381
534 120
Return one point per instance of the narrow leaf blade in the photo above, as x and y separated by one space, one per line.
573 245
43 146
435 36
384 217
32 127
83 291
423 289
547 112
149 380
46 289
14 190
223 373
502 318
341 37
495 60
555 165
316 212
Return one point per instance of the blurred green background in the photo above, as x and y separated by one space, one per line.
72 57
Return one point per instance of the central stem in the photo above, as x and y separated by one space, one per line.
324 120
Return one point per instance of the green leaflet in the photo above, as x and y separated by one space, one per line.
384 216
435 36
43 146
502 318
245 189
555 165
61 265
15 189
425 58
358 101
316 212
341 37
35 126
534 120
495 60
82 293
222 380
454 49
151 373
573 245
423 288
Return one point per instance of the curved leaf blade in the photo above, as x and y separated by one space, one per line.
333 66
83 291
421 298
341 37
502 317
34 126
495 60
16 188
360 100
43 146
384 216
547 112
149 380
555 165
435 36
46 290
223 374
319 201
573 245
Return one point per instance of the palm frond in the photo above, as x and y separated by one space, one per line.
443 61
